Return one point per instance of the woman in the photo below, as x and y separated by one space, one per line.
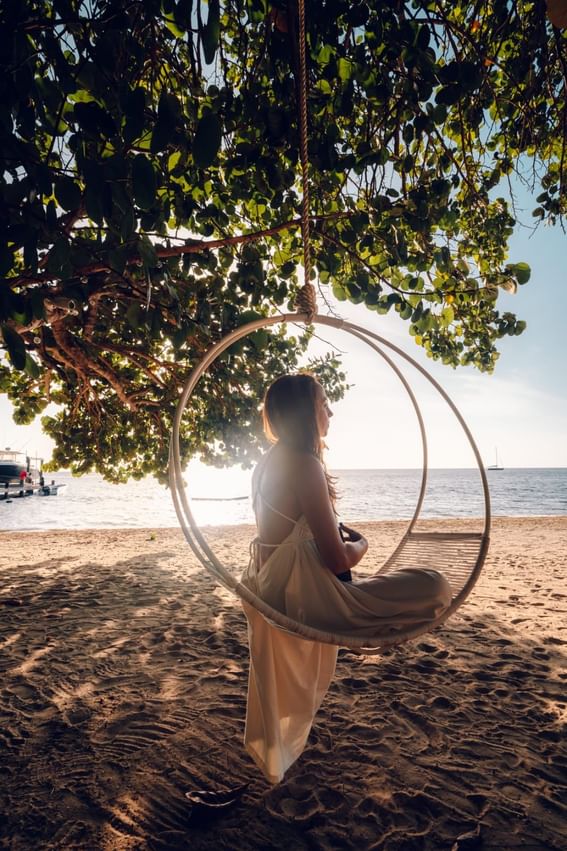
301 565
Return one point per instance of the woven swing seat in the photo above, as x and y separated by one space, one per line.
454 554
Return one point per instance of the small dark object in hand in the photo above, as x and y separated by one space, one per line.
347 534
345 576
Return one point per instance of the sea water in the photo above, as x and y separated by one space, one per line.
89 502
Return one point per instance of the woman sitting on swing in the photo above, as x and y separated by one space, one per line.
301 565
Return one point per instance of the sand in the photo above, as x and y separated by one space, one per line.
123 685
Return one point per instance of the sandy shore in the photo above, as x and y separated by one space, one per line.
123 685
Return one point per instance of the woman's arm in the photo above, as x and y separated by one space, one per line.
311 489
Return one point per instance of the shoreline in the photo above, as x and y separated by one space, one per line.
426 521
124 675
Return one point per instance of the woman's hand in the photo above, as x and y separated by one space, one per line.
348 534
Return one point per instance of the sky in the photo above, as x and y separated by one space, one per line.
520 410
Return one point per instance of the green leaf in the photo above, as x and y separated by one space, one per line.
207 140
345 69
59 260
38 308
162 135
449 95
164 131
94 120
51 215
173 160
339 292
128 224
134 107
521 272
173 28
211 32
68 193
144 182
260 340
15 345
31 366
94 202
324 55
182 11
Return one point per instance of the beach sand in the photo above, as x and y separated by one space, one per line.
123 685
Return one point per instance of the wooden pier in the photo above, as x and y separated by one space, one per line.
14 490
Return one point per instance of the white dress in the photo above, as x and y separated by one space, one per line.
289 676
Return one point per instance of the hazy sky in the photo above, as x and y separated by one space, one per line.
521 409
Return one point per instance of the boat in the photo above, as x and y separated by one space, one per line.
495 466
12 466
50 490
21 475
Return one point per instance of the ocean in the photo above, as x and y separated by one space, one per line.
89 502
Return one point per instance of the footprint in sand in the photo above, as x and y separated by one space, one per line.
551 774
331 800
415 813
78 714
12 737
427 666
304 810
442 702
353 684
371 811
427 648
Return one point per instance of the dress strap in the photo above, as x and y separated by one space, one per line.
275 510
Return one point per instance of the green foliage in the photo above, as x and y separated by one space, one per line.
141 141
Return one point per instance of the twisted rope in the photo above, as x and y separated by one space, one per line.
306 301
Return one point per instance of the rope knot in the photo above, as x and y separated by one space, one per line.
306 301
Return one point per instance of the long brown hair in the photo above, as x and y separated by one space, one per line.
290 417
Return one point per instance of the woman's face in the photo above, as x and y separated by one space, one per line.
323 412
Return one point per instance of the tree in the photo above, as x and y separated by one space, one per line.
151 196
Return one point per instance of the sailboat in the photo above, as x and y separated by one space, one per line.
495 466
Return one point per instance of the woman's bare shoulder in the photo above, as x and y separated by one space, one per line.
303 467
284 462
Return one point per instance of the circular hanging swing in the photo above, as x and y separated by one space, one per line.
459 556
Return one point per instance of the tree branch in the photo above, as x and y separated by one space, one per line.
176 250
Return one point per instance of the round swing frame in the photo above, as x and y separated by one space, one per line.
459 556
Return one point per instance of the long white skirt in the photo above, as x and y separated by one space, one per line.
289 676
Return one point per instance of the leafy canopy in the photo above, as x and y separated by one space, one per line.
151 197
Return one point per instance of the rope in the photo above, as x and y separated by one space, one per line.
306 301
